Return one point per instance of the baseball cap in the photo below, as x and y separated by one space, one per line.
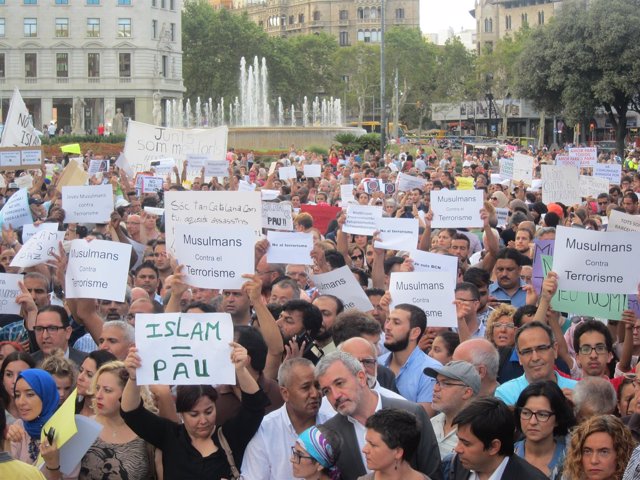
458 370
13 186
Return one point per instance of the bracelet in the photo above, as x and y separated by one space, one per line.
52 469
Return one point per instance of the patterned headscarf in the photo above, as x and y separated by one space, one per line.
43 384
317 446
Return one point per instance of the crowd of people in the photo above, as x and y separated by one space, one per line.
512 390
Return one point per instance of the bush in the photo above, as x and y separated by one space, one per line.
346 139
319 150
66 139
369 141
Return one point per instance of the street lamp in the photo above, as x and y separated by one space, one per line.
383 111
489 97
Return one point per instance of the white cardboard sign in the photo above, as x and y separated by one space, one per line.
560 184
39 248
434 262
152 184
362 219
97 269
433 293
185 349
406 182
215 256
30 229
522 168
623 222
611 171
457 209
343 284
290 247
593 186
397 233
277 216
9 290
506 168
588 156
16 211
592 261
346 194
312 171
92 204
286 173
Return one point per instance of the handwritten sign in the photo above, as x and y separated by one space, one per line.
623 222
434 294
568 161
18 129
612 172
290 247
465 183
362 219
540 249
97 270
9 290
40 248
30 229
506 168
560 184
592 261
16 210
397 233
453 209
216 168
185 349
341 283
593 186
522 168
312 171
215 256
587 156
406 182
92 204
277 216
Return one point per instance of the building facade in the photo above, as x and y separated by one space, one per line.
94 55
496 19
348 21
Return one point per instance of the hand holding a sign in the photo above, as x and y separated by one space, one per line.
253 288
240 360
132 363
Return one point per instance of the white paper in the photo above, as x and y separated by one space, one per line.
163 166
154 211
16 211
92 204
346 194
397 233
277 216
244 186
522 168
97 269
506 168
598 262
406 182
290 247
269 194
197 160
433 293
285 173
560 184
24 181
312 171
216 168
40 248
588 156
623 222
152 184
124 165
185 349
9 290
362 219
434 262
611 171
71 453
343 284
593 186
30 229
503 216
97 166
215 256
457 209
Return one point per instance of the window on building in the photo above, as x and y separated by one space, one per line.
2 23
30 2
344 14
93 65
154 3
93 27
173 32
1 2
507 22
124 2
163 4
62 2
301 18
62 27
488 25
164 68
399 13
374 13
31 65
62 65
344 39
124 64
316 16
525 19
540 18
360 35
124 27
93 2
2 70
30 27
172 4
367 36
154 29
360 13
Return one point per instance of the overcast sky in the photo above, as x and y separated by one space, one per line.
438 15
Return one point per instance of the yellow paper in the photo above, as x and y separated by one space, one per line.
64 422
465 183
72 176
71 148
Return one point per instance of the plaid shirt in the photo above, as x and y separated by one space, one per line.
14 332
633 467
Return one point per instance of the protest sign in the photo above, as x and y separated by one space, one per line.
540 249
593 186
346 194
272 168
587 156
502 215
592 261
397 233
434 294
286 173
216 168
92 204
496 178
9 159
406 182
154 211
277 216
152 184
623 222
244 186
18 127
39 248
215 256
163 167
290 247
341 283
21 158
567 161
434 262
453 209
312 171
198 160
30 229
600 305
611 171
522 168
98 166
362 219
124 165
16 210
72 148
145 143
212 208
560 184
24 181
97 269
269 194
372 185
185 349
73 175
506 168
322 215
634 304
465 183
9 290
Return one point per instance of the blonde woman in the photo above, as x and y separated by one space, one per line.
63 371
501 330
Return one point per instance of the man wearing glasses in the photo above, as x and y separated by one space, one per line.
537 352
53 331
603 203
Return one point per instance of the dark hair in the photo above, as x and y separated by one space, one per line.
12 357
205 307
535 324
397 428
354 323
100 357
417 317
149 265
390 262
478 276
592 326
374 292
335 259
510 254
451 341
462 236
339 303
253 341
551 219
311 315
565 419
489 419
468 287
521 312
62 313
188 395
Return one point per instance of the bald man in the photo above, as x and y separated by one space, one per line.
481 353
142 305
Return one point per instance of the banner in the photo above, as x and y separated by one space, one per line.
277 216
322 215
453 209
18 127
185 349
342 283
92 204
97 269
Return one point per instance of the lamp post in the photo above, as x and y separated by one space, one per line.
383 111
489 97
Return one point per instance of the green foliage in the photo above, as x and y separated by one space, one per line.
350 141
318 150
66 139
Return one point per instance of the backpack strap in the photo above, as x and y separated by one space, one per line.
235 473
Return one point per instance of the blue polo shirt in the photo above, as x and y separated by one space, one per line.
518 299
510 391
412 383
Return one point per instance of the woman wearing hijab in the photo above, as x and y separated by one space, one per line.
315 454
36 397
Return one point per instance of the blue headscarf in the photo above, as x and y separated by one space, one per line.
43 384
317 446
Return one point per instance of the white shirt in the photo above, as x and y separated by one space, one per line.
360 430
268 453
446 443
497 473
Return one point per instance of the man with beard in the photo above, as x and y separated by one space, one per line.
402 330
508 285
299 319
330 307
93 319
